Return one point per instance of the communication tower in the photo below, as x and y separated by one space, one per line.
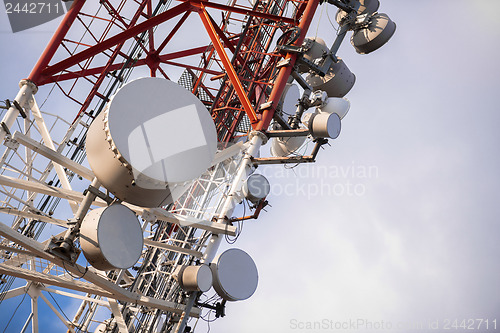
139 179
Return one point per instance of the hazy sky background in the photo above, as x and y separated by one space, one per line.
418 241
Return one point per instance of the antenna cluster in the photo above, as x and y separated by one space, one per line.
327 77
169 162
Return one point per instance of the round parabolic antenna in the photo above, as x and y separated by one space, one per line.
376 34
285 146
290 98
325 125
111 237
162 130
336 105
196 278
337 82
235 275
256 187
204 278
316 47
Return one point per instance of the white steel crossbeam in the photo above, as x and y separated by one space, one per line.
53 280
179 249
53 155
160 213
122 327
15 292
58 314
116 291
44 131
183 220
77 296
44 189
38 217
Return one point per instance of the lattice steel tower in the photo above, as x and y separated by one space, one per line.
75 163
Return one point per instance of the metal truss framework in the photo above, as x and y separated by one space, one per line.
42 177
252 67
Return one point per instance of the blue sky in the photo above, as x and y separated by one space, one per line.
418 242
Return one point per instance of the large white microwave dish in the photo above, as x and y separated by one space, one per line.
153 136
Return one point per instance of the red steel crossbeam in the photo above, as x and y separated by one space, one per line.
45 73
56 40
240 10
94 91
256 68
226 40
231 73
42 71
163 58
173 32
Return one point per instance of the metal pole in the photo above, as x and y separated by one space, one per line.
346 26
27 323
34 312
72 232
338 41
285 71
24 97
257 139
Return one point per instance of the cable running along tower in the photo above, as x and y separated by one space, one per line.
118 189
